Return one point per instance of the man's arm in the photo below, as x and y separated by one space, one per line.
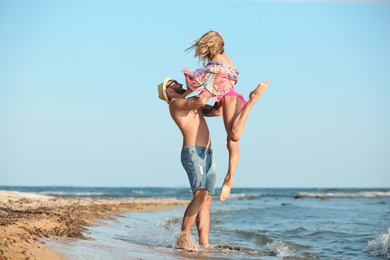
210 111
188 91
195 102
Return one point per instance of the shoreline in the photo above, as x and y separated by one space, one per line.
27 218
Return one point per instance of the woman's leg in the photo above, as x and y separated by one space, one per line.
239 117
231 107
234 121
234 156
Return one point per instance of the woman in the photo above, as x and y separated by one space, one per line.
216 80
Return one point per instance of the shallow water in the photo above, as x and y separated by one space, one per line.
349 224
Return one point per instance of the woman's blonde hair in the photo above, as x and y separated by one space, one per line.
209 45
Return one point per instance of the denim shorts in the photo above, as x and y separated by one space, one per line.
200 167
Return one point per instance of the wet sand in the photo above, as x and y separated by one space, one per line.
26 218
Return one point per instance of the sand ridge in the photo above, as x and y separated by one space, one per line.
26 218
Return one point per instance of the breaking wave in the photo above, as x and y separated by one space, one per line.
379 246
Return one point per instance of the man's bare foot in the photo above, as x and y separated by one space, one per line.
184 242
225 190
206 248
259 90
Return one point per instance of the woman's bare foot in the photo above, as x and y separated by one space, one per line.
225 190
259 90
184 242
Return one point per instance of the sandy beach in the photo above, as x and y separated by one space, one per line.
27 218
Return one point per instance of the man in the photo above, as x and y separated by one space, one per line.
196 158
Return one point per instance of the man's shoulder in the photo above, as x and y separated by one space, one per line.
181 105
177 102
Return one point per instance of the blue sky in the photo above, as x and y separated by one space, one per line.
79 106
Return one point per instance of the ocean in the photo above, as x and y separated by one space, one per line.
254 223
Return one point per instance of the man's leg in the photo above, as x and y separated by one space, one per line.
189 218
203 222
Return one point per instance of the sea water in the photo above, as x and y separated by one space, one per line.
254 223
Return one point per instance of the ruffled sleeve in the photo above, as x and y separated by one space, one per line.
194 79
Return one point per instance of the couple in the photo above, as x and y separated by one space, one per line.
196 155
216 80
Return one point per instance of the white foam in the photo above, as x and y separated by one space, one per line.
367 194
137 191
237 195
379 246
170 223
280 248
244 195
